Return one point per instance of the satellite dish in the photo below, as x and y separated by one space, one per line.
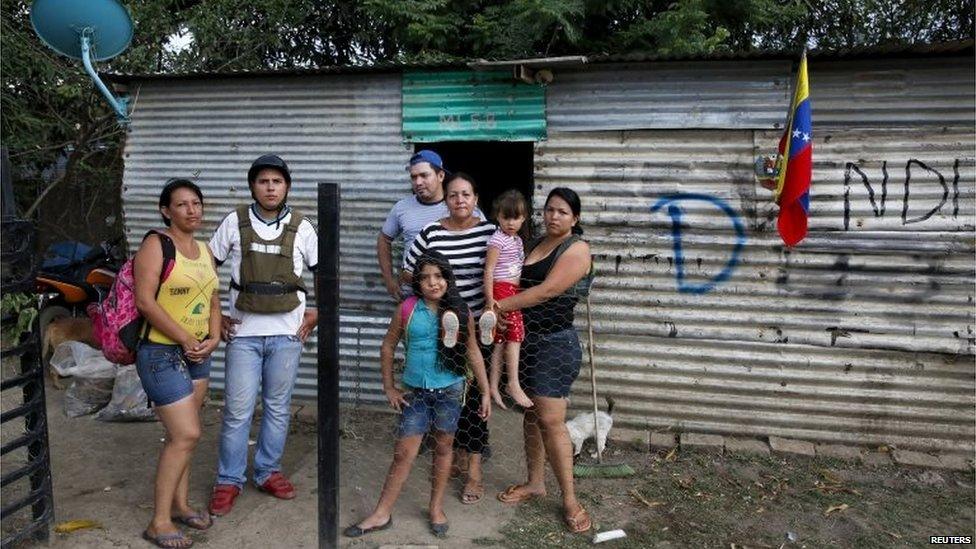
86 30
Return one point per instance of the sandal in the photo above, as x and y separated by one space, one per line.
578 522
451 325
470 497
439 529
199 521
176 540
486 327
356 531
512 494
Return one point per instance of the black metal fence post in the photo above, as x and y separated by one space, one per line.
327 288
17 274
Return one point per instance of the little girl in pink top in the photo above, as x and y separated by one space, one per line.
503 268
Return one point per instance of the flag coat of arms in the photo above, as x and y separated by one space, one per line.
796 164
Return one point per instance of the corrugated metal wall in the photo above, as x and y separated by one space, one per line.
888 93
343 129
669 95
893 93
863 334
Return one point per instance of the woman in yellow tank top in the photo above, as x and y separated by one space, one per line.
181 305
185 295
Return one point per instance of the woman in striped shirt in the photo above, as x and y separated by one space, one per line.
463 239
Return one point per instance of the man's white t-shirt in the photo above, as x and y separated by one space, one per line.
226 247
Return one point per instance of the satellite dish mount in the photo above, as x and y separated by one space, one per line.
87 30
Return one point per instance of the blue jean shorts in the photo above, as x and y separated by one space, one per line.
166 375
550 363
439 408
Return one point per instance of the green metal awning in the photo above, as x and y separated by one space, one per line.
471 106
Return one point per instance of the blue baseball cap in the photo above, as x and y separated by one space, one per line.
429 157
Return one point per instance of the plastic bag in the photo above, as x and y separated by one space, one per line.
74 358
129 401
87 395
93 375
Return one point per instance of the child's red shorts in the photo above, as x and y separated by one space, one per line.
515 332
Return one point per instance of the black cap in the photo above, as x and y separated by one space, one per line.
268 161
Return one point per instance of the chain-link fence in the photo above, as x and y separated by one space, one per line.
428 463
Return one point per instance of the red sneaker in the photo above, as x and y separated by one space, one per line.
222 499
278 486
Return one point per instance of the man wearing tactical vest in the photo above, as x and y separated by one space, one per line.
268 244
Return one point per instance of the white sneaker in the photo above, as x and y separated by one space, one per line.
486 325
451 325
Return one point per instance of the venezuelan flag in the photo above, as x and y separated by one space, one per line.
796 164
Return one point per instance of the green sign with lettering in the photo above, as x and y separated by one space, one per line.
471 106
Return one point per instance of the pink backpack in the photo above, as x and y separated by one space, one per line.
406 310
116 322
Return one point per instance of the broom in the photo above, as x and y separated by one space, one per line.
600 469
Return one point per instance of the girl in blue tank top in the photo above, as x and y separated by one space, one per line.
433 385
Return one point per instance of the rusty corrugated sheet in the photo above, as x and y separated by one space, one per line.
343 129
862 334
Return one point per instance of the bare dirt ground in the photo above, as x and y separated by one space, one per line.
104 471
712 500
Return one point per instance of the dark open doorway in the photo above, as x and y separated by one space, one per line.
496 166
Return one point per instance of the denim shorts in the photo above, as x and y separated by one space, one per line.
550 363
166 375
439 408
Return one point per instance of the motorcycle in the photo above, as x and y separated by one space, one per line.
71 276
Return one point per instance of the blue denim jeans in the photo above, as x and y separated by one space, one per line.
268 364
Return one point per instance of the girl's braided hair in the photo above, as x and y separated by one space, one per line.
453 359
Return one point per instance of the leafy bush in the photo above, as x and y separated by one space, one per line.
24 308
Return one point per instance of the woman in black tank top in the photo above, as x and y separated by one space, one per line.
550 356
554 314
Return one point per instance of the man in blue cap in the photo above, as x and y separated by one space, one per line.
410 215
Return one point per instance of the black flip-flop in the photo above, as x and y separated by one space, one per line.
355 531
439 529
161 539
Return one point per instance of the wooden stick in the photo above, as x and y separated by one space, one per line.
596 410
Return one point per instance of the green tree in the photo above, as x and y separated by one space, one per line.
55 127
684 28
528 28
